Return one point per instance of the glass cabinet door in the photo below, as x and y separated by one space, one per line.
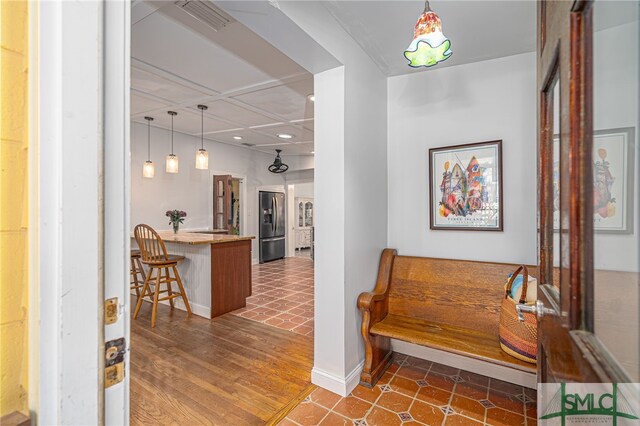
300 215
308 216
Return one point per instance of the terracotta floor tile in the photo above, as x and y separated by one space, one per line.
500 417
444 369
325 398
506 401
474 378
411 372
425 413
334 419
471 390
287 422
442 382
352 408
394 401
308 414
468 407
433 395
404 386
273 321
282 289
381 417
456 420
418 362
505 387
385 379
369 395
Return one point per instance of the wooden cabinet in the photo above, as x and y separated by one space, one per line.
304 222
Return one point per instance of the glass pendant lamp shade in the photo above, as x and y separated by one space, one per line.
202 159
429 45
148 170
172 165
202 156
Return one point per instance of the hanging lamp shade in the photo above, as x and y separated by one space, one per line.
278 166
148 169
429 45
172 164
202 156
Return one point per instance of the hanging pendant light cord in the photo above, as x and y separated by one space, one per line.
148 140
202 128
427 8
171 134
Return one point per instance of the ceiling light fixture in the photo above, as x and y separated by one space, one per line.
172 159
278 166
284 136
429 45
238 138
202 156
148 170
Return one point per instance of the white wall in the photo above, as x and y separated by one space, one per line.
190 189
476 102
303 190
350 192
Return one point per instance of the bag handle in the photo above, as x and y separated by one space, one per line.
525 279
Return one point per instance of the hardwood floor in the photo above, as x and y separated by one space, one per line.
225 371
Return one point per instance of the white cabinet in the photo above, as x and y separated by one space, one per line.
304 209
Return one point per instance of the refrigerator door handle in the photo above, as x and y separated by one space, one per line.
275 214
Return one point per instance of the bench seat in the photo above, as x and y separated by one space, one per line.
449 338
443 304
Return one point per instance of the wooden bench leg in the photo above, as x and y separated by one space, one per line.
377 359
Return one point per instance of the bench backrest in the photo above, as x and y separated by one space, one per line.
458 292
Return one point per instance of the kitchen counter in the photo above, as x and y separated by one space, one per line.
216 271
199 238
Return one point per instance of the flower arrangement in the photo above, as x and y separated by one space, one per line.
176 217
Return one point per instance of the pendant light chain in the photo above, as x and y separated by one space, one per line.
201 128
149 120
171 134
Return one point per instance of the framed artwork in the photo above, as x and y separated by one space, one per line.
613 178
465 187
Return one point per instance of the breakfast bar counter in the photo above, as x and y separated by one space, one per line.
216 272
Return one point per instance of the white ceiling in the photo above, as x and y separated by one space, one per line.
250 88
478 29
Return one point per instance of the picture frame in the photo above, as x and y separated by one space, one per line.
614 177
465 187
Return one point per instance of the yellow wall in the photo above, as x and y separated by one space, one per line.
14 218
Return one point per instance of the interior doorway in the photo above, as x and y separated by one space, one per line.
227 205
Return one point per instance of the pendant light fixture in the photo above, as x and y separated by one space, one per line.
148 170
278 166
172 159
429 45
202 156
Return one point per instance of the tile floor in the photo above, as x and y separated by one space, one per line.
418 392
282 295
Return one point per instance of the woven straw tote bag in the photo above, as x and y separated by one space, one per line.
518 338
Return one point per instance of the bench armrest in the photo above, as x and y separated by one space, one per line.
375 304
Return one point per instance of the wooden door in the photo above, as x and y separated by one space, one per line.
571 346
221 201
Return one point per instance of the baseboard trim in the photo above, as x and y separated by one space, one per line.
528 380
336 384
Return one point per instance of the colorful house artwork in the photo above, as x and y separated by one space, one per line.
463 190
603 200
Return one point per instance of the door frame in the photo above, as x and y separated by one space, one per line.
243 196
81 231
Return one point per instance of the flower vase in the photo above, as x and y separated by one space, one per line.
176 226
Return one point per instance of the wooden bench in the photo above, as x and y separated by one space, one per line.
444 304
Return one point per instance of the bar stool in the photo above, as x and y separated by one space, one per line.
135 270
154 255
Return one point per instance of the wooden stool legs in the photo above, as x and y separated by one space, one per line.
162 276
135 270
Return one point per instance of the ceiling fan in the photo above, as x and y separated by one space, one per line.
278 166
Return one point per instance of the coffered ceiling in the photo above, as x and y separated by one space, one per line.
251 89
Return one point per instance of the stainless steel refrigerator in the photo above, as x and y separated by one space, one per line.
272 226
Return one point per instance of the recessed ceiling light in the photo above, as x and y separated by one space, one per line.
312 97
284 136
238 138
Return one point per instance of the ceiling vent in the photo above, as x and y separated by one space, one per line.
206 12
248 144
